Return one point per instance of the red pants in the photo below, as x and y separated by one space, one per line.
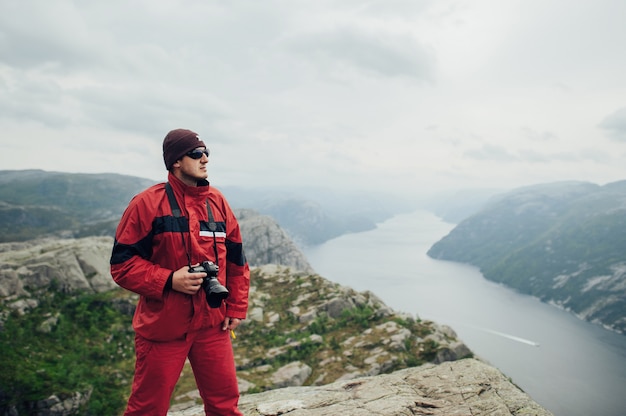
159 365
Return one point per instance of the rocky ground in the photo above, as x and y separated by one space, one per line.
465 387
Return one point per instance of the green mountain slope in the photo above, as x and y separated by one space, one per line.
564 243
34 203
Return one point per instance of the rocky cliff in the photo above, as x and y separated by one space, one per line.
345 346
68 265
32 267
265 242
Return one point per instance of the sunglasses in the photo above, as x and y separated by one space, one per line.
197 153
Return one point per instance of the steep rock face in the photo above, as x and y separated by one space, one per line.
265 242
563 243
465 387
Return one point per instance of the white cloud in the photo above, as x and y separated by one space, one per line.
376 53
394 94
615 124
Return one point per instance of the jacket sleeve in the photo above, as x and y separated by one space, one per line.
237 269
131 267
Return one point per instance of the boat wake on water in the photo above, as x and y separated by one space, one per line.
494 332
509 336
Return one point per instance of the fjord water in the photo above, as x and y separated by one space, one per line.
569 366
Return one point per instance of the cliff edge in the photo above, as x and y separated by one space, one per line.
464 387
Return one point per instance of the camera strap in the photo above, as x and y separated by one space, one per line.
212 224
178 213
173 203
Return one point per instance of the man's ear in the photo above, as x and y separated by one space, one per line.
176 164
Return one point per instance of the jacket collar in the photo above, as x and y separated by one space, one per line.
202 189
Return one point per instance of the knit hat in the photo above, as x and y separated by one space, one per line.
177 143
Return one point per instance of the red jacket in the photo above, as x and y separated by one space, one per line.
149 247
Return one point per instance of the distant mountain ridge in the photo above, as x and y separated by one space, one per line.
564 243
37 203
312 216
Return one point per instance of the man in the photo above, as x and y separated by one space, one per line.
157 242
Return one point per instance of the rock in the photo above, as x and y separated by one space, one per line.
54 406
335 307
48 325
255 314
23 305
266 243
308 316
10 283
293 374
66 264
244 385
452 352
464 387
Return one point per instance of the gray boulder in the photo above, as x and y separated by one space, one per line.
292 374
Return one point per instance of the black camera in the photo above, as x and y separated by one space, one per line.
215 292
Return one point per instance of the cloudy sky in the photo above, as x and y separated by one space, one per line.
398 94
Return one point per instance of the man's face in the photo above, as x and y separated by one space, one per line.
193 166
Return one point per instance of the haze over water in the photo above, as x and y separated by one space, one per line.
569 366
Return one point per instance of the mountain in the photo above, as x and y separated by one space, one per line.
36 203
564 243
314 215
67 339
455 206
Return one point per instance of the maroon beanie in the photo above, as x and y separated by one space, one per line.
177 143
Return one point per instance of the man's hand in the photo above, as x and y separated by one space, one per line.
185 282
230 323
